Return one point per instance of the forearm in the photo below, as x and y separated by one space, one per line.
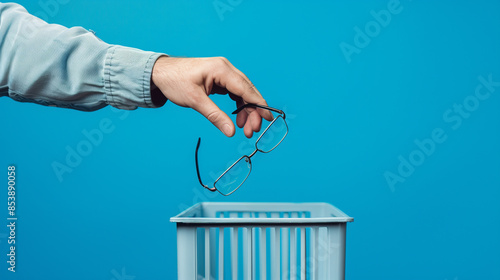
53 65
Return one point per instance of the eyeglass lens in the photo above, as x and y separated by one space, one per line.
232 179
273 136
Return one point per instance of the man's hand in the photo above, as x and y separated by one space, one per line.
187 82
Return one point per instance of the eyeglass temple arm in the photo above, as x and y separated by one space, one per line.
198 169
259 106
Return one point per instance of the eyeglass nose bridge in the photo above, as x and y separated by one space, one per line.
253 153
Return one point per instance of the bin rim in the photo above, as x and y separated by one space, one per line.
183 217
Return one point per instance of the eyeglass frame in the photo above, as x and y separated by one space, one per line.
282 115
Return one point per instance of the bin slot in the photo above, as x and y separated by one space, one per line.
245 263
221 254
275 253
254 252
200 251
234 252
313 262
207 253
303 254
248 259
247 248
293 253
285 234
262 253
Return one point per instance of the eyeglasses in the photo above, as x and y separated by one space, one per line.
238 172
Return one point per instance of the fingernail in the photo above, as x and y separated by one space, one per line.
226 129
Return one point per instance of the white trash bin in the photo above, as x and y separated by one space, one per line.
261 241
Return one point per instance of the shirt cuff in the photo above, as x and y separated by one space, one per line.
127 78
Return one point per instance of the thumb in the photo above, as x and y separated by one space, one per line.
216 116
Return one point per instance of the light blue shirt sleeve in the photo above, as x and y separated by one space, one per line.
52 65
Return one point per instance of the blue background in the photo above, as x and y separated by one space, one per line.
349 123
